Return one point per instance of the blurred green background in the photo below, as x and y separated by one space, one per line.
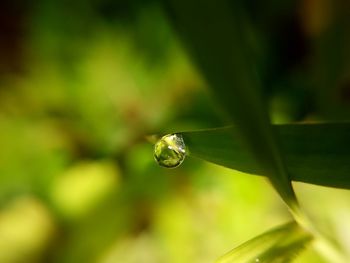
81 85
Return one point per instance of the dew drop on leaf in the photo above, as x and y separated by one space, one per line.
170 150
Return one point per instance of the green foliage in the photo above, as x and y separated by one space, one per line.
221 53
279 245
314 153
83 82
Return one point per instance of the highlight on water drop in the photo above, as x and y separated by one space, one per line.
170 150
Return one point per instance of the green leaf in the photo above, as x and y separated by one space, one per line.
314 153
279 245
213 32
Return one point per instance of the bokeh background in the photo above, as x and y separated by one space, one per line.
82 83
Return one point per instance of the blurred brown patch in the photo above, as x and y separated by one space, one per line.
12 32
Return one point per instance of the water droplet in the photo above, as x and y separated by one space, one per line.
170 150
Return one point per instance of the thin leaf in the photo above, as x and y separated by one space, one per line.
212 31
279 245
314 153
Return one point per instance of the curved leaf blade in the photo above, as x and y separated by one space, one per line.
314 153
279 245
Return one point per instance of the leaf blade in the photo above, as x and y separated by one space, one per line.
280 244
314 153
212 31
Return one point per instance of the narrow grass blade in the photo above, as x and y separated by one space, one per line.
314 153
212 32
279 245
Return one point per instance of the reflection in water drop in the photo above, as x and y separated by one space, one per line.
170 150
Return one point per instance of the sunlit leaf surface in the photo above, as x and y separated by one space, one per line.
279 245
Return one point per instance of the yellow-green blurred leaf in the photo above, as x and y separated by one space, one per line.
279 245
